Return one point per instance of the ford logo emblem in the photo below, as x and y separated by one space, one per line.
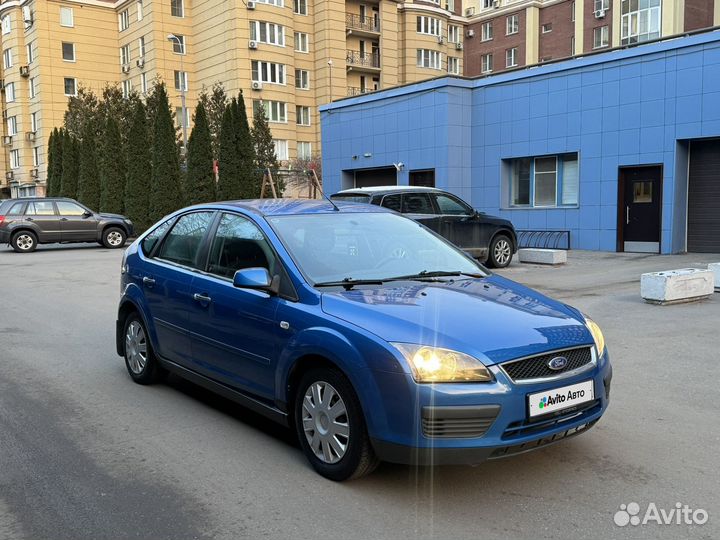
557 363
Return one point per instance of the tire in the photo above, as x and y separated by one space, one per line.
24 241
143 367
501 251
113 237
335 391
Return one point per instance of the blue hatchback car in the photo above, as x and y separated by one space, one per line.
367 333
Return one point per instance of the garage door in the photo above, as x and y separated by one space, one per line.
386 176
703 233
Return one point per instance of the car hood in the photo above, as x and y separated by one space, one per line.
493 318
105 215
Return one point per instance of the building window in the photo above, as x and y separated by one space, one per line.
300 7
12 125
68 51
6 24
278 3
70 85
572 11
547 28
429 59
640 22
141 46
32 88
511 59
546 181
265 32
486 31
604 5
453 65
453 33
488 3
125 55
10 92
429 25
66 17
268 72
572 45
14 159
304 150
486 63
36 156
281 149
601 37
178 44
450 5
302 115
143 83
30 53
177 8
301 42
512 24
275 111
7 58
182 122
139 5
124 20
126 88
34 127
302 79
181 80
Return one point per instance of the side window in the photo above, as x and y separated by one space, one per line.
239 244
40 208
392 202
69 209
151 239
451 206
183 242
417 203
16 209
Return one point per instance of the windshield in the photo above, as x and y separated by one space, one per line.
352 197
367 246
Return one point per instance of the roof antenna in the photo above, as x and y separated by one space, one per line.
316 184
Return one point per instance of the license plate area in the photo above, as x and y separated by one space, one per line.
556 401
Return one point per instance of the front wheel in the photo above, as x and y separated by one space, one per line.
114 237
140 361
501 251
331 427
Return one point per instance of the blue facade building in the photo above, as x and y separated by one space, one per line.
622 149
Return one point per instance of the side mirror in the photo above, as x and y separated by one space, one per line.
87 213
256 278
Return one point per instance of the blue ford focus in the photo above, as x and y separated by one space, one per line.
371 336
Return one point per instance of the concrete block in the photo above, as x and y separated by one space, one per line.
676 286
715 269
542 256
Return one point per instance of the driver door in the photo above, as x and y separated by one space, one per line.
459 223
75 223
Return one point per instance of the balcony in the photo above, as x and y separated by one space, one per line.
357 25
363 61
355 91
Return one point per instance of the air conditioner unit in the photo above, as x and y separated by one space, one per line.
252 44
256 85
9 176
140 62
30 136
7 140
250 4
27 16
441 40
33 173
600 14
469 11
126 68
496 4
458 46
24 71
470 33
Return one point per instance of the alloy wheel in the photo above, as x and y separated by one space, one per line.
502 252
136 347
24 242
325 422
114 238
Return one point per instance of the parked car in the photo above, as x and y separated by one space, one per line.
372 337
488 238
25 223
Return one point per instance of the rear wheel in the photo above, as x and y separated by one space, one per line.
331 427
24 241
501 251
113 237
140 361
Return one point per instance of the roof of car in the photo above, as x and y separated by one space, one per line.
25 199
385 189
281 207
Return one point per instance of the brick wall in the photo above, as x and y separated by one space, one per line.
590 23
475 48
698 14
556 44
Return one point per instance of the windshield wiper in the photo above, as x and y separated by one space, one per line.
427 274
349 283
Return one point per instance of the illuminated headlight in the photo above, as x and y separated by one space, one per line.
433 364
596 334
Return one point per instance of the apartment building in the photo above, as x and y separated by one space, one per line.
505 34
291 55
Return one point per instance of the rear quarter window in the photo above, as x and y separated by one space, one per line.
13 210
151 240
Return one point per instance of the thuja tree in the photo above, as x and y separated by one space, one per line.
138 176
112 172
88 179
200 177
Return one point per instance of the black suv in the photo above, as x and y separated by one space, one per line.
25 223
488 238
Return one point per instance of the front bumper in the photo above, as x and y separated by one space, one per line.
500 420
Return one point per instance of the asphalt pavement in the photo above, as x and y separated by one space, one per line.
87 454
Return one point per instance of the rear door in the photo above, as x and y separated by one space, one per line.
41 216
75 224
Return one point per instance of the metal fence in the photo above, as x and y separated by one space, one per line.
544 239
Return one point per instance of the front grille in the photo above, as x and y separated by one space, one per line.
536 367
458 422
506 451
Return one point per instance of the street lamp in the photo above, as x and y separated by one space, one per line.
183 81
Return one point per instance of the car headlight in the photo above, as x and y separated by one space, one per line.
596 334
433 364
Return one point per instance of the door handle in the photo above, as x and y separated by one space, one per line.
149 282
627 215
203 299
63 219
29 219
